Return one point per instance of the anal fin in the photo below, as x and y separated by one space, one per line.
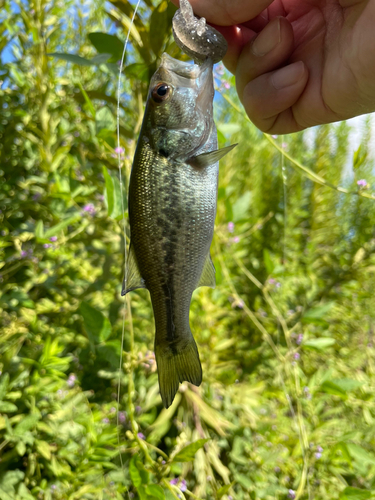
208 274
133 278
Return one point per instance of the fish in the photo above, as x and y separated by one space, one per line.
173 195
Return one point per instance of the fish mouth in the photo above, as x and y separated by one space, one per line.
183 73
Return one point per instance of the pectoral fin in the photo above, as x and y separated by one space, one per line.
133 278
208 274
206 159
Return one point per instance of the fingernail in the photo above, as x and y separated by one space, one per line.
287 76
267 39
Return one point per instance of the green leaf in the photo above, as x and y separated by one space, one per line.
112 195
54 230
97 326
141 490
26 424
318 314
107 44
137 70
137 472
105 120
347 384
7 407
330 387
160 25
224 490
81 61
319 344
344 451
360 454
268 261
187 454
10 479
44 449
73 58
4 382
134 473
156 491
241 207
87 99
100 58
351 493
39 230
21 448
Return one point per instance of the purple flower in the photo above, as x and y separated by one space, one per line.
26 253
307 392
318 455
121 417
163 462
47 245
140 435
296 356
53 238
231 227
220 69
89 209
112 410
240 304
76 134
174 481
226 85
299 339
138 409
362 183
278 284
236 239
275 136
53 487
183 486
291 494
271 281
119 151
105 420
71 380
319 449
277 469
36 196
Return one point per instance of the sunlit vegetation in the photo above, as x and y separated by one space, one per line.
287 404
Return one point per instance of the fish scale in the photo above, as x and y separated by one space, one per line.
172 208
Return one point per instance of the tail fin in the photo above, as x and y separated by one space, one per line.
175 367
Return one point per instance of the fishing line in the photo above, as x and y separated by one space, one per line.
123 220
285 180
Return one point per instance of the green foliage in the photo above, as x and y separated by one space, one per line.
286 339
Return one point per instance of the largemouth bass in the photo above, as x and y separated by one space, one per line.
172 197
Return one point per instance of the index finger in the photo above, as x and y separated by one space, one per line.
228 13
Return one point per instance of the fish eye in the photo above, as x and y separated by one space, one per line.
161 92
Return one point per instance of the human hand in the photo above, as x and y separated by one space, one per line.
298 63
